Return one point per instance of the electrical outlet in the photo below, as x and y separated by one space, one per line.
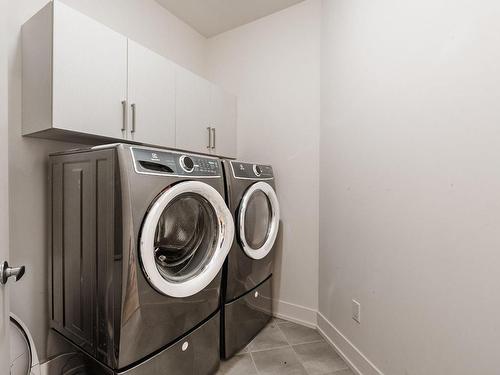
356 311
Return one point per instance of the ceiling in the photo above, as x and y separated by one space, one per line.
212 17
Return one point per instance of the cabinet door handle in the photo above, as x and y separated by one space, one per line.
213 138
124 115
133 118
209 137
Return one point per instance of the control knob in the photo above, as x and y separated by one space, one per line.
187 164
257 170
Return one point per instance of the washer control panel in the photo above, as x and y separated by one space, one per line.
253 171
159 162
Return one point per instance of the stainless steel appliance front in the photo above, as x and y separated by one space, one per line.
138 239
247 290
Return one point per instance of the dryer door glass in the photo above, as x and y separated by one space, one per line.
258 220
185 238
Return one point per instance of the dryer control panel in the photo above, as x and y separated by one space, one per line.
252 171
168 163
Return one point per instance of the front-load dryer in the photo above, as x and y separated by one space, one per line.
247 285
138 239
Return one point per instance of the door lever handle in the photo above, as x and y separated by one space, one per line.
6 272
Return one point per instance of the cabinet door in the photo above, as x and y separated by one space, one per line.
192 108
223 119
151 94
89 75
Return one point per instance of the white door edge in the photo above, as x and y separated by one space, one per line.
35 363
4 198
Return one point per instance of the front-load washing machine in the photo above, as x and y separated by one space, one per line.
247 286
138 239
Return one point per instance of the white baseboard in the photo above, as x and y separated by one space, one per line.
295 313
356 360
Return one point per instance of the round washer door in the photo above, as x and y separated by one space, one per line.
185 238
258 220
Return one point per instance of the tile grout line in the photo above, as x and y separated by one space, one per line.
308 342
293 350
302 343
273 348
283 333
249 348
254 364
322 341
298 359
288 345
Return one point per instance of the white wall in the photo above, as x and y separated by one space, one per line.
142 20
410 182
272 65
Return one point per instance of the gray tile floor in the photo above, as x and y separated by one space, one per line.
286 348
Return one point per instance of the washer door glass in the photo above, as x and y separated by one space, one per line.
185 238
258 220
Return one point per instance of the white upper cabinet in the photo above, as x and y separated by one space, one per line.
151 97
84 82
223 121
205 116
74 78
192 111
89 74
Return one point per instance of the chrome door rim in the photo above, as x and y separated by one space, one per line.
275 218
225 235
